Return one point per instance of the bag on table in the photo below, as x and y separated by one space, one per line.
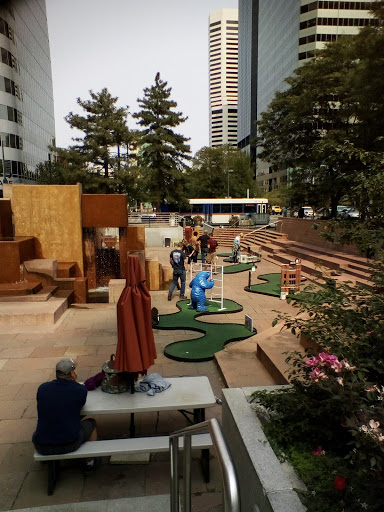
114 381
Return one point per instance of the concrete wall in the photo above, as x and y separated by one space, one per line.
52 214
154 237
264 487
301 230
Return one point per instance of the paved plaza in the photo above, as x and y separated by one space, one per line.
88 332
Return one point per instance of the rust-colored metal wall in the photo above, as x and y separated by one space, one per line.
52 214
12 254
6 228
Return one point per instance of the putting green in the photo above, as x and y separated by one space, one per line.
216 336
237 267
270 287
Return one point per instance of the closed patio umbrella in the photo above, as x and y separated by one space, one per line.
136 350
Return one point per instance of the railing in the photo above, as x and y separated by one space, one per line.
154 219
260 229
230 484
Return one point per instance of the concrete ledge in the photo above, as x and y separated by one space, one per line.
264 487
115 287
19 314
42 266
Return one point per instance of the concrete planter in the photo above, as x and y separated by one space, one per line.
264 486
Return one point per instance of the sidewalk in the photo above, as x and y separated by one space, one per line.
88 333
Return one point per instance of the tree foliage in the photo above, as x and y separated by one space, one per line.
328 125
221 171
163 153
105 130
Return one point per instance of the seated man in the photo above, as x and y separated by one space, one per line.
59 426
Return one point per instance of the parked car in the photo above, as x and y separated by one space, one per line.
350 213
276 209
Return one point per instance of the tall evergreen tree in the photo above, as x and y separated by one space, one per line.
163 153
105 131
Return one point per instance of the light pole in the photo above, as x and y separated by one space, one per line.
228 171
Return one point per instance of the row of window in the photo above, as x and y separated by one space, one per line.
9 59
15 169
317 37
11 141
335 5
9 86
225 208
11 114
6 30
341 22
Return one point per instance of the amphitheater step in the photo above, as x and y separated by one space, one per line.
41 296
20 314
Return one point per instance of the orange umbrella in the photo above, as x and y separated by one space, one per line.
135 351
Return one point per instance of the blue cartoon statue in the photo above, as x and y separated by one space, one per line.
199 284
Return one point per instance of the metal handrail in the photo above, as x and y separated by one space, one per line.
228 472
260 229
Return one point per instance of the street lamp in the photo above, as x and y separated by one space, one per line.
228 171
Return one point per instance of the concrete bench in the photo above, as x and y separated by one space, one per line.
127 446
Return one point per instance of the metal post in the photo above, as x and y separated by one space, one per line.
187 473
2 153
173 448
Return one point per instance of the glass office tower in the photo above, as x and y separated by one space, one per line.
274 39
27 125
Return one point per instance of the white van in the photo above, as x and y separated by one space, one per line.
308 211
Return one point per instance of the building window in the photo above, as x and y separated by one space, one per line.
8 58
6 29
10 114
11 141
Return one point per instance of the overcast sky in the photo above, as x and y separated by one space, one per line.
121 45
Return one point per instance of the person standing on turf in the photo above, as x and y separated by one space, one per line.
204 240
177 258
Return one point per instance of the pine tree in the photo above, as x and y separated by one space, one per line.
163 153
105 131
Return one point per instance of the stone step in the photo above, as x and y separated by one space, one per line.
19 314
16 289
159 503
41 296
66 269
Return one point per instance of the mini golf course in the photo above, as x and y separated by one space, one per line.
216 336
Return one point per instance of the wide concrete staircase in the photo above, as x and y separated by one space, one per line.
317 262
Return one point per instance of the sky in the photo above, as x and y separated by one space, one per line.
121 45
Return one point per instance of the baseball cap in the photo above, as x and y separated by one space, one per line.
66 366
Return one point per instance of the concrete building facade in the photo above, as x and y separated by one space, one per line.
274 39
27 124
223 75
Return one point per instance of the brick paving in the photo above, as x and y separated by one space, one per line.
88 333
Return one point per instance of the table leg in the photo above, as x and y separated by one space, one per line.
132 429
53 474
199 417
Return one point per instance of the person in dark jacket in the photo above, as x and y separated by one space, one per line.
60 428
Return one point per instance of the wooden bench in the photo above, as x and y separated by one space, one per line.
155 444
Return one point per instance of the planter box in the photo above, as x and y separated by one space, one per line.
264 486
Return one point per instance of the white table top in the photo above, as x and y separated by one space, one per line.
184 393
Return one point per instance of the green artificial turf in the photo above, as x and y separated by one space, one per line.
270 287
237 267
216 336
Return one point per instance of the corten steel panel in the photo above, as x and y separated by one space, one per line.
6 228
135 238
104 211
52 214
10 262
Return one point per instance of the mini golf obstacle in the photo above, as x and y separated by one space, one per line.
217 292
215 336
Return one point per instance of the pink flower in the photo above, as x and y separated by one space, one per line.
312 361
340 381
317 375
374 424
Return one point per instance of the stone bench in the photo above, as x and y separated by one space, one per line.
106 448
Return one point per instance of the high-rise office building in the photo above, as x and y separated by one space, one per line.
274 39
223 68
27 124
